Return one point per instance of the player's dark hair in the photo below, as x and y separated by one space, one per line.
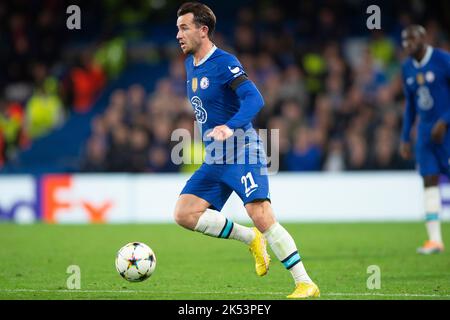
203 15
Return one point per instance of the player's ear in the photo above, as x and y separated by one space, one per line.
205 31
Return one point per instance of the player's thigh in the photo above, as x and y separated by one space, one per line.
250 182
206 184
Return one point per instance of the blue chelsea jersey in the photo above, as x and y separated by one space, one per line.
211 97
427 88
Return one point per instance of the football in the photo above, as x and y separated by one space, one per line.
135 261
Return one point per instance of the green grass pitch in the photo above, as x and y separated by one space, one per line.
34 260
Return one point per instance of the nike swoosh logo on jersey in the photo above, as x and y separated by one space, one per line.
250 192
234 70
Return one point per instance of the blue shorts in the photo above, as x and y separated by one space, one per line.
215 183
432 158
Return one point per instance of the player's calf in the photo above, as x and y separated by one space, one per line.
192 212
282 244
284 247
217 225
433 208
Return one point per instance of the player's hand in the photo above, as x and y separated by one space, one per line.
438 132
220 133
405 150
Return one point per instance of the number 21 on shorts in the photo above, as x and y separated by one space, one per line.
249 188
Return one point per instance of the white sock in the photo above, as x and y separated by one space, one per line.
434 230
286 251
241 233
216 225
432 209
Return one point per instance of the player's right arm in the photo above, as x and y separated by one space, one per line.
409 117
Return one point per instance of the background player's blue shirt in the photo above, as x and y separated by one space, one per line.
427 90
215 103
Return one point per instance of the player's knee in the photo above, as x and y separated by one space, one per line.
261 214
258 207
431 181
181 216
186 217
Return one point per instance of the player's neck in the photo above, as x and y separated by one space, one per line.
202 51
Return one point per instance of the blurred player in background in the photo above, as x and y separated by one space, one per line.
426 81
225 101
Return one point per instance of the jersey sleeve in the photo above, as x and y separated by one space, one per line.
251 101
230 69
409 115
232 74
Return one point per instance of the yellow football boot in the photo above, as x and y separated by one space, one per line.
305 290
258 247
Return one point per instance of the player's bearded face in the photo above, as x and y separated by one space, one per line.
189 34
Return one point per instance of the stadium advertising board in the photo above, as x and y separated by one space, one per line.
19 199
143 198
85 199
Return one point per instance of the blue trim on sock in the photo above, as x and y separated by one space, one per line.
289 256
432 217
226 231
231 225
291 260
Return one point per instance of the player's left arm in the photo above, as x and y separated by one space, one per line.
440 128
251 100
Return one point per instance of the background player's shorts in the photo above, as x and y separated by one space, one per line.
215 183
432 158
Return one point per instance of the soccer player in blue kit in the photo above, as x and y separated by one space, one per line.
225 101
426 81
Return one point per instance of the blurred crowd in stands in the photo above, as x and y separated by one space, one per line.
39 89
335 95
337 101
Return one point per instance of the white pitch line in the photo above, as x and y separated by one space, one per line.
228 293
